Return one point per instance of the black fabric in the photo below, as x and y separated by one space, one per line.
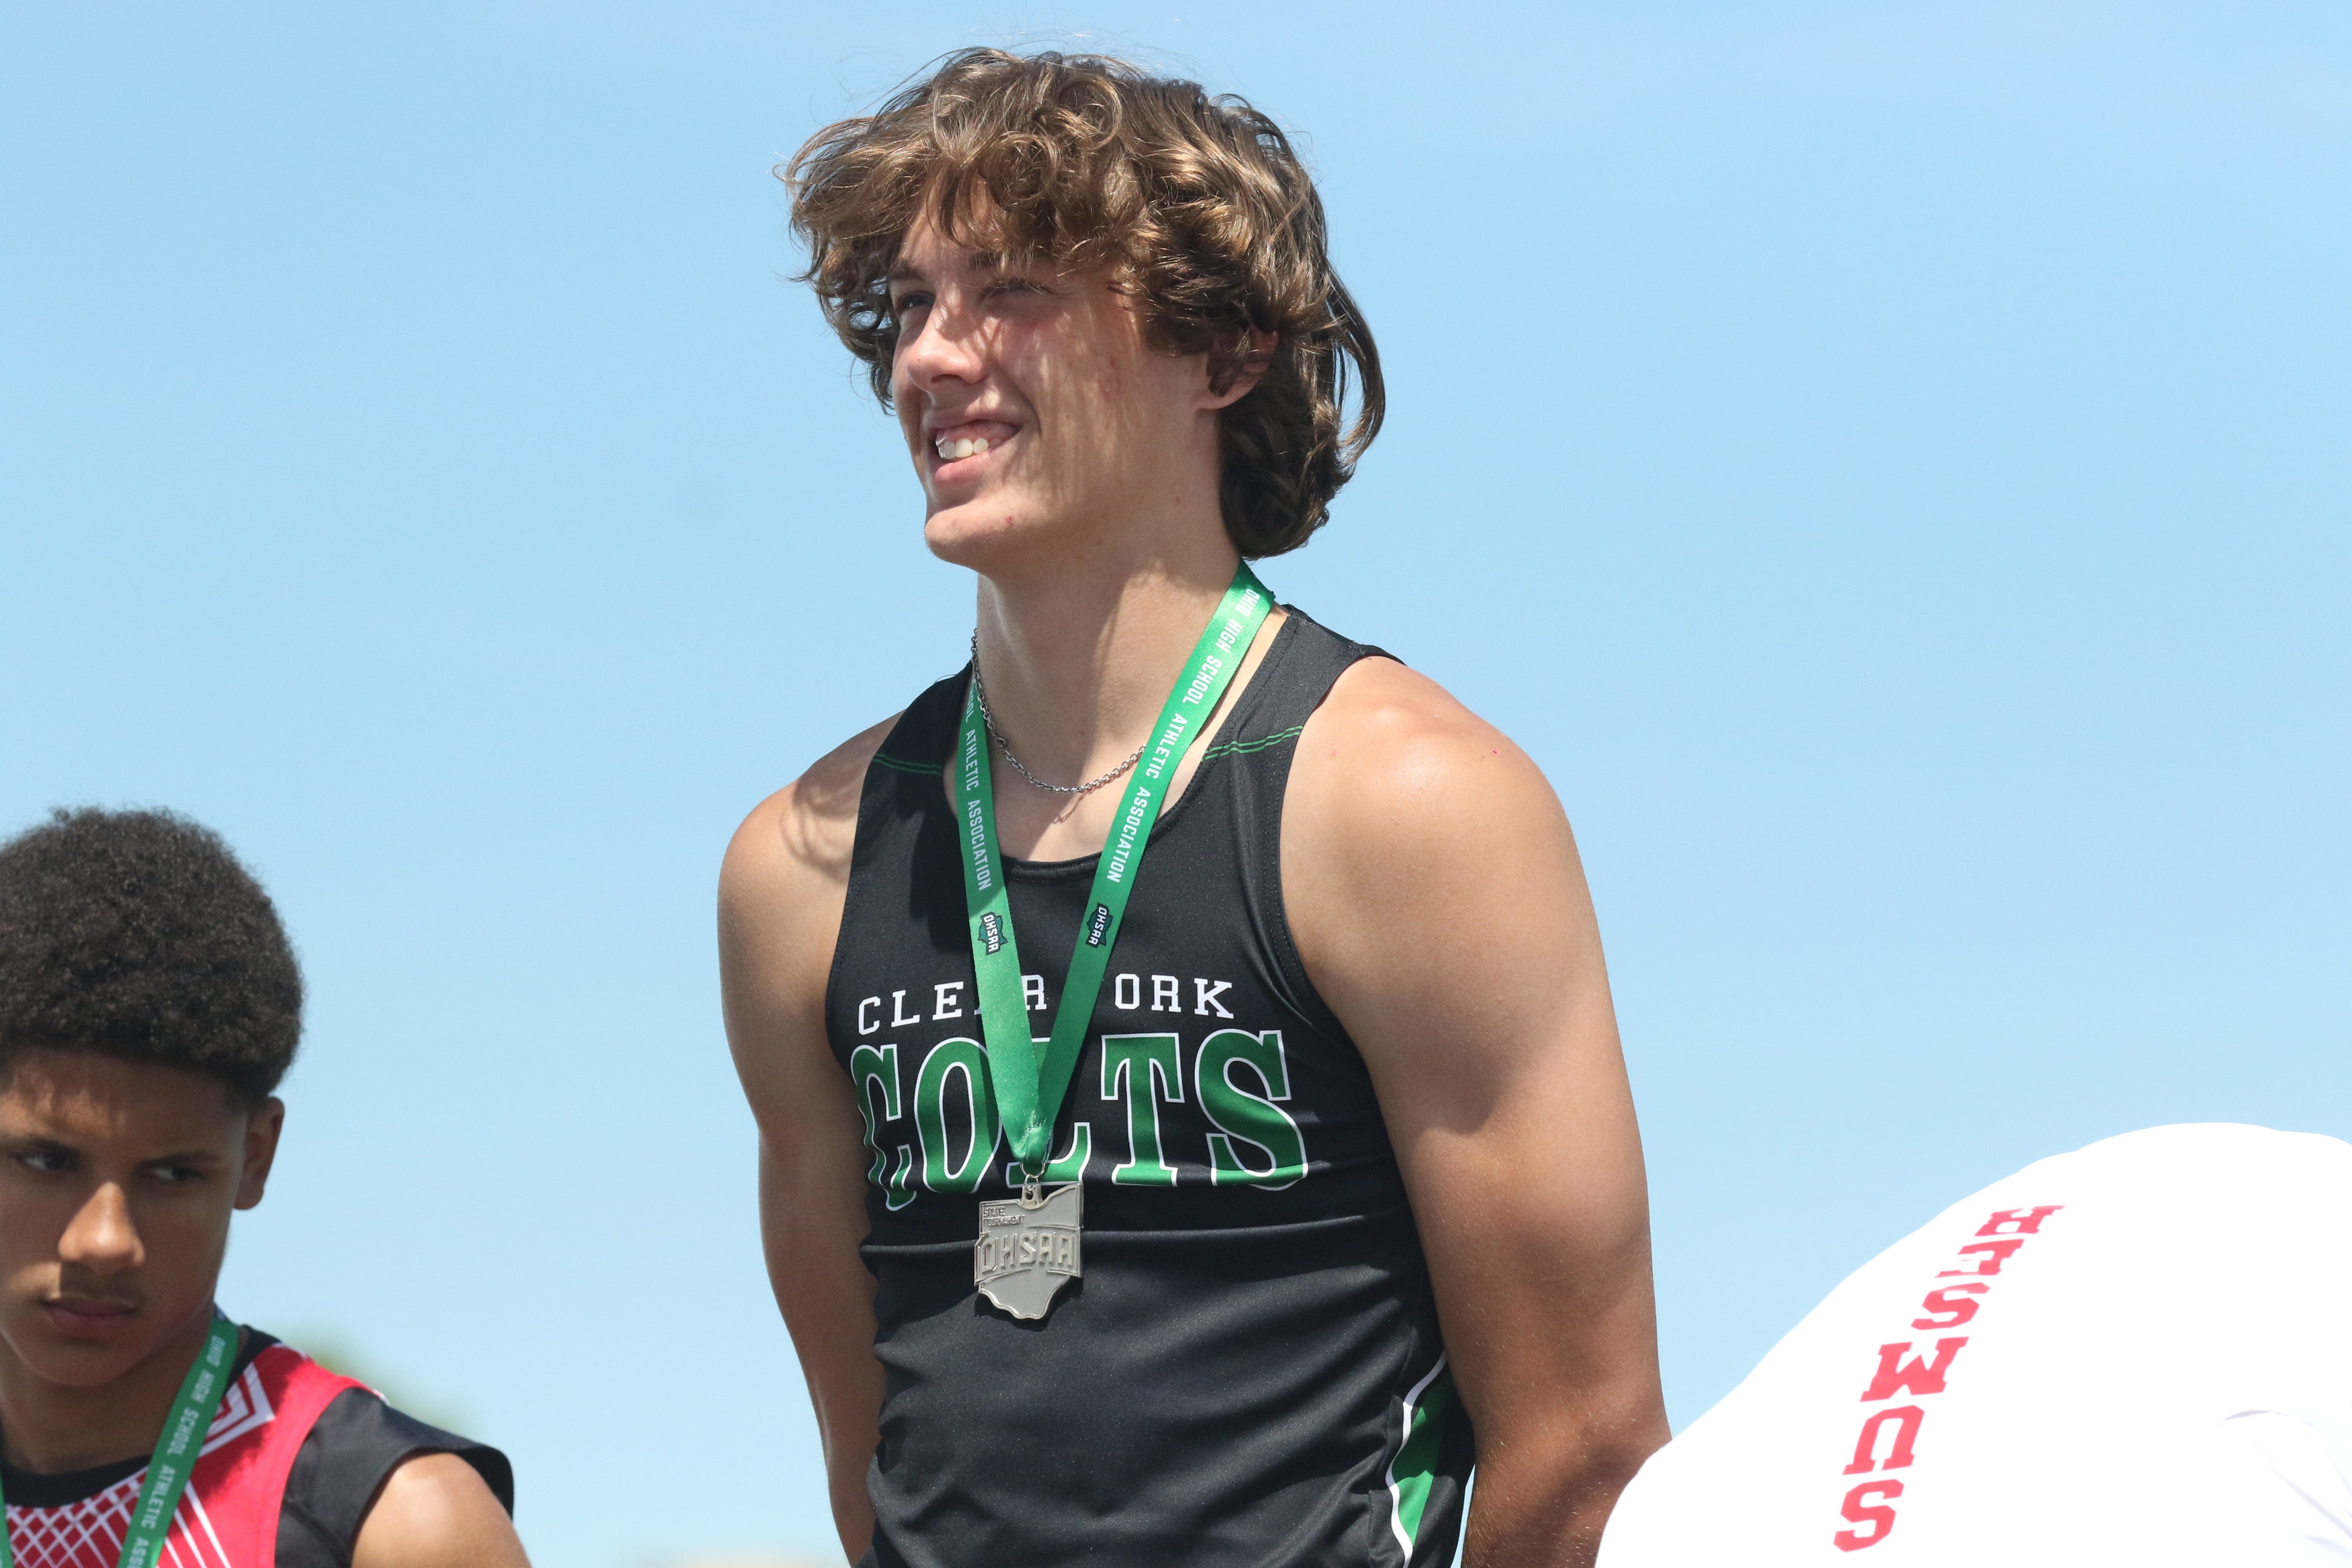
1227 1383
352 1449
30 1489
343 1463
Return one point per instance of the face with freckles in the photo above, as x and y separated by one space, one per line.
117 1180
1035 411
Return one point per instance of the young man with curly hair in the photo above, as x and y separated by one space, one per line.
149 1005
1192 1127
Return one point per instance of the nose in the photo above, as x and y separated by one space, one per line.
943 347
101 1238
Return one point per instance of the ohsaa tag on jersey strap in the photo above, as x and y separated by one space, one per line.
1025 1252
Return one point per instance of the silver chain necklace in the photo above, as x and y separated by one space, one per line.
980 690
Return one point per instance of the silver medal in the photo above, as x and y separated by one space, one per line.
1028 1246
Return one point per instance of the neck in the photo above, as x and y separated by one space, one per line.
1077 663
51 1427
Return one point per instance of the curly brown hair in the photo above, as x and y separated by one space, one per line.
1196 203
138 935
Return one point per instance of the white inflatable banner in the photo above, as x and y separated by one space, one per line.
2138 1354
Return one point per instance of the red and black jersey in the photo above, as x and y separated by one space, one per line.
293 1461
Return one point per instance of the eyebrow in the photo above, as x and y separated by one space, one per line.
982 261
34 1143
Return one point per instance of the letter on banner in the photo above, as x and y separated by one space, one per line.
1943 1312
1918 1375
1994 1254
2027 1221
1865 1447
1866 1504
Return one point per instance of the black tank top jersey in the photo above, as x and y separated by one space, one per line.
1249 1373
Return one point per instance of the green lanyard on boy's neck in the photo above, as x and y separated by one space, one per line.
1030 1085
174 1459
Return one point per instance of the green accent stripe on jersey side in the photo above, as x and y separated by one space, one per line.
904 767
1427 1409
1241 748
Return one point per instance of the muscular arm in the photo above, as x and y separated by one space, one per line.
780 902
1439 905
436 1512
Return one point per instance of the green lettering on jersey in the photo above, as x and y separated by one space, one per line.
1248 1116
1157 1074
870 1069
963 1059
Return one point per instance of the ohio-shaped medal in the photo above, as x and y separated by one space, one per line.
1024 1252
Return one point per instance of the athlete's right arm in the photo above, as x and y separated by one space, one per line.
780 900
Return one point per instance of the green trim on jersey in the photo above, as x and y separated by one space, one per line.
1243 748
904 767
1428 1408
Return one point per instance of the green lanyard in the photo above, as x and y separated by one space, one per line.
175 1453
1030 1087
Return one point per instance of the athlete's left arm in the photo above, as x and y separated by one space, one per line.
1438 904
436 1512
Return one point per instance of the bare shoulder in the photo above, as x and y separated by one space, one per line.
1414 825
436 1511
781 892
804 830
1391 758
789 860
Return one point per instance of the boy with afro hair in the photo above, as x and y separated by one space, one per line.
149 1005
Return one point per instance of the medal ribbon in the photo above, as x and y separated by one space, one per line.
174 1460
1030 1087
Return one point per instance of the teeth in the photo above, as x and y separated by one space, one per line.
949 451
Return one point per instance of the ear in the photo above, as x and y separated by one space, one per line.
261 1130
1262 345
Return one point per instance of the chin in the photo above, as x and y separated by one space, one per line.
77 1362
84 1366
984 539
84 1359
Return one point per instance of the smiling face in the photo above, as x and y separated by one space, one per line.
117 1180
1036 412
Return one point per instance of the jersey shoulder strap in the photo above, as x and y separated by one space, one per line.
1305 660
1245 777
239 1482
924 736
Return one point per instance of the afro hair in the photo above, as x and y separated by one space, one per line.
139 934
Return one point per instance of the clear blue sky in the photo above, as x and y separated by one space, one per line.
1888 463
